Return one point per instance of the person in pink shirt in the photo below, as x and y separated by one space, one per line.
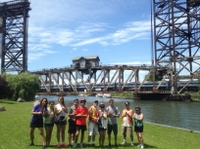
81 116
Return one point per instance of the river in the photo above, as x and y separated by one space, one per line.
173 113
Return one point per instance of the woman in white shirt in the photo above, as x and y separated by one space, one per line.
60 121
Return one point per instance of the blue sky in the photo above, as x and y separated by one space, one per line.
118 31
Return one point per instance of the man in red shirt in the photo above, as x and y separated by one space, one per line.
81 116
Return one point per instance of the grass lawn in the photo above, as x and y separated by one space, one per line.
14 132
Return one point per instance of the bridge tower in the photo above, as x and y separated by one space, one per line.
13 35
176 38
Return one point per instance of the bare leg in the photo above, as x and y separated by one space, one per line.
32 135
69 138
103 137
89 138
93 138
140 138
115 136
63 132
100 138
47 129
41 131
58 132
131 136
82 136
50 134
76 136
109 138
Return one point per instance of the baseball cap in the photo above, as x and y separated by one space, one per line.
83 100
101 105
127 103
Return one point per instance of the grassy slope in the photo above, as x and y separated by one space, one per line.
14 132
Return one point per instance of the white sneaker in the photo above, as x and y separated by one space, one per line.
132 144
139 145
142 146
74 145
124 142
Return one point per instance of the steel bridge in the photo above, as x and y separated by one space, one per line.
13 31
176 37
107 78
90 78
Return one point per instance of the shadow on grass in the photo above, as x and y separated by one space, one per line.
50 146
97 147
149 146
7 102
119 146
135 145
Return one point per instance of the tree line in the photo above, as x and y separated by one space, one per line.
14 86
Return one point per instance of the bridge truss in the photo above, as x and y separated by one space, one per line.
176 38
13 29
102 78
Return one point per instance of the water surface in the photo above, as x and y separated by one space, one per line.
173 113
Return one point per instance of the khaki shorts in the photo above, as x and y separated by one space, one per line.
92 129
128 130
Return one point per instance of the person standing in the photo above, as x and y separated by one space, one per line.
38 111
92 122
139 126
113 113
60 121
49 122
72 123
127 123
102 124
81 116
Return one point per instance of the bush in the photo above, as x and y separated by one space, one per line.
5 90
25 85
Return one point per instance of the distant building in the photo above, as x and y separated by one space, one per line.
85 61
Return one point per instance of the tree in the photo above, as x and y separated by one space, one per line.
25 85
5 90
157 78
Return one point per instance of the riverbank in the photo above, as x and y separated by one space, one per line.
195 97
14 132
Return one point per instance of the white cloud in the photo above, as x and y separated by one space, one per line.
131 31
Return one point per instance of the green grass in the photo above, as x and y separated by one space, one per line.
14 132
122 95
195 96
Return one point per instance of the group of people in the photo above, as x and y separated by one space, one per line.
99 121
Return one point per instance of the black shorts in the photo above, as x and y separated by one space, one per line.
101 129
36 124
61 122
48 125
112 128
72 126
139 129
81 127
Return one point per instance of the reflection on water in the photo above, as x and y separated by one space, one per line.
173 113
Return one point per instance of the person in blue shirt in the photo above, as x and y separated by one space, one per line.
39 110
